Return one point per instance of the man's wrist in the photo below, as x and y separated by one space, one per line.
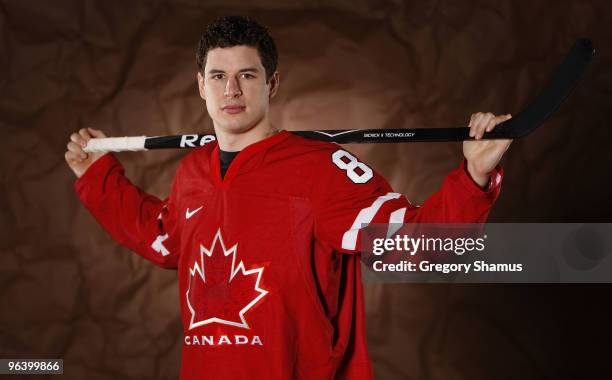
480 179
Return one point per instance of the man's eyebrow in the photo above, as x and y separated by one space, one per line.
249 69
217 71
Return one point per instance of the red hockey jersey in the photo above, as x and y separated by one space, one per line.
269 282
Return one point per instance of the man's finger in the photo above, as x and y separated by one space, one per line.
76 138
497 120
68 156
72 157
76 149
474 123
502 118
84 133
96 133
490 125
482 125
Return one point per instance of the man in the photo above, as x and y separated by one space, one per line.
263 226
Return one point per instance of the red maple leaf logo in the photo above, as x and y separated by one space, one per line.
219 290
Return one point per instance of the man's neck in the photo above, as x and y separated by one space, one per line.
234 142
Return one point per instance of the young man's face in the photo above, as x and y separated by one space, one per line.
234 87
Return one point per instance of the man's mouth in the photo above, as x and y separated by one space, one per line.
233 109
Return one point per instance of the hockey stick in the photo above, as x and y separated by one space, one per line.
549 100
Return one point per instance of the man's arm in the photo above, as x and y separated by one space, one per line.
135 219
466 196
468 192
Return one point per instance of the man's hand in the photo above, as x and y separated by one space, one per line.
77 159
483 156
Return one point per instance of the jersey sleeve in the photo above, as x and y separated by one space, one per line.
133 218
352 196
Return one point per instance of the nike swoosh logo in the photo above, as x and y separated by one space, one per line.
189 214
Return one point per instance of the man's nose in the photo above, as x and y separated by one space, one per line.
232 88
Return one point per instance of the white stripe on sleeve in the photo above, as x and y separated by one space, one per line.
396 221
365 216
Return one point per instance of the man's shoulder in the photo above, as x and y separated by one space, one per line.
196 158
322 158
306 148
331 163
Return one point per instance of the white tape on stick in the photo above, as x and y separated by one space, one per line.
116 144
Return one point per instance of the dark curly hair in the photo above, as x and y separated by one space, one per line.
228 31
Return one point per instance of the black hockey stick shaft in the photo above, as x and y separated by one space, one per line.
553 94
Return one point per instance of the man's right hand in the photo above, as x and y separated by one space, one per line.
77 159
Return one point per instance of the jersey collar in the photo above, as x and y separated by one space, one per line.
242 156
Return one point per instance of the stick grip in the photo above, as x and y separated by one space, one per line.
116 144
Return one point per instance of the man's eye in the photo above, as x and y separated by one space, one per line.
248 76
217 76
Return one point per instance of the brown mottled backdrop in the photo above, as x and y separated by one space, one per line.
68 291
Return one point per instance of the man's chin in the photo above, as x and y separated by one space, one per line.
233 127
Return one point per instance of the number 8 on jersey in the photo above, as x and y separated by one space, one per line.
340 157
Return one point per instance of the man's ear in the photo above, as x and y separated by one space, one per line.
200 79
274 83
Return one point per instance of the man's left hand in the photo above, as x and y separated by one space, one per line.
483 156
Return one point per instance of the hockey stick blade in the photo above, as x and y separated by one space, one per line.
554 93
